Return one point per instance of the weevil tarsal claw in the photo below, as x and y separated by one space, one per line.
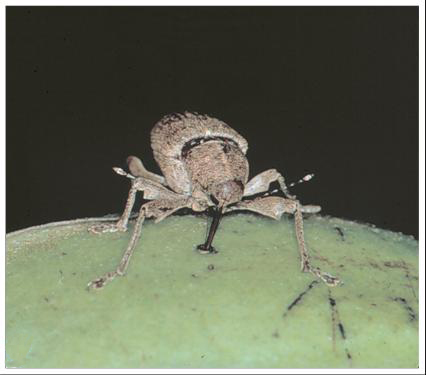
328 279
107 228
96 284
100 282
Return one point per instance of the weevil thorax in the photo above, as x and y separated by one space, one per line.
200 155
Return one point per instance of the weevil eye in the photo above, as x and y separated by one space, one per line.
199 205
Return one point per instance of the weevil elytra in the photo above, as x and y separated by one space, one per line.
204 166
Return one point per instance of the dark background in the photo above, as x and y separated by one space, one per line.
329 90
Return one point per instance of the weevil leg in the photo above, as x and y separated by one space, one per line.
121 224
124 263
305 262
144 180
137 168
261 183
274 207
151 187
158 209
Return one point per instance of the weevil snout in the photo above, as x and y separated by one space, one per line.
226 193
222 194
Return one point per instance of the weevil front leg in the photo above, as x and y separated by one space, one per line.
124 263
305 263
274 207
158 209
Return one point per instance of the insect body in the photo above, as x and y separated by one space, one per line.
204 166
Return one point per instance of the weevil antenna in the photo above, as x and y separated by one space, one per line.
123 173
284 188
303 179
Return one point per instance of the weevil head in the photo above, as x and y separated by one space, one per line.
227 192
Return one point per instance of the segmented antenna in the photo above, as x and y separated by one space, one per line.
304 179
123 173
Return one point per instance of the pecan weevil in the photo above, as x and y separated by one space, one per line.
204 166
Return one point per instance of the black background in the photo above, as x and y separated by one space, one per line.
329 90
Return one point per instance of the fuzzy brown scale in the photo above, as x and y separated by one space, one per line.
204 166
212 170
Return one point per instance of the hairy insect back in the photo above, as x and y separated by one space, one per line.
177 133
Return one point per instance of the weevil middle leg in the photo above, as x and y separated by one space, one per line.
121 224
141 180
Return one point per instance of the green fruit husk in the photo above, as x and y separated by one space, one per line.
249 306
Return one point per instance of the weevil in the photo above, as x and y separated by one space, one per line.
204 166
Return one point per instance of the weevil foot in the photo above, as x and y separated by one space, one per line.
101 281
330 280
306 267
203 249
107 228
96 284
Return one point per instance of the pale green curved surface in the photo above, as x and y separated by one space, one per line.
172 311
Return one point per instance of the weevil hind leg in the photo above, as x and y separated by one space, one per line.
275 207
121 224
